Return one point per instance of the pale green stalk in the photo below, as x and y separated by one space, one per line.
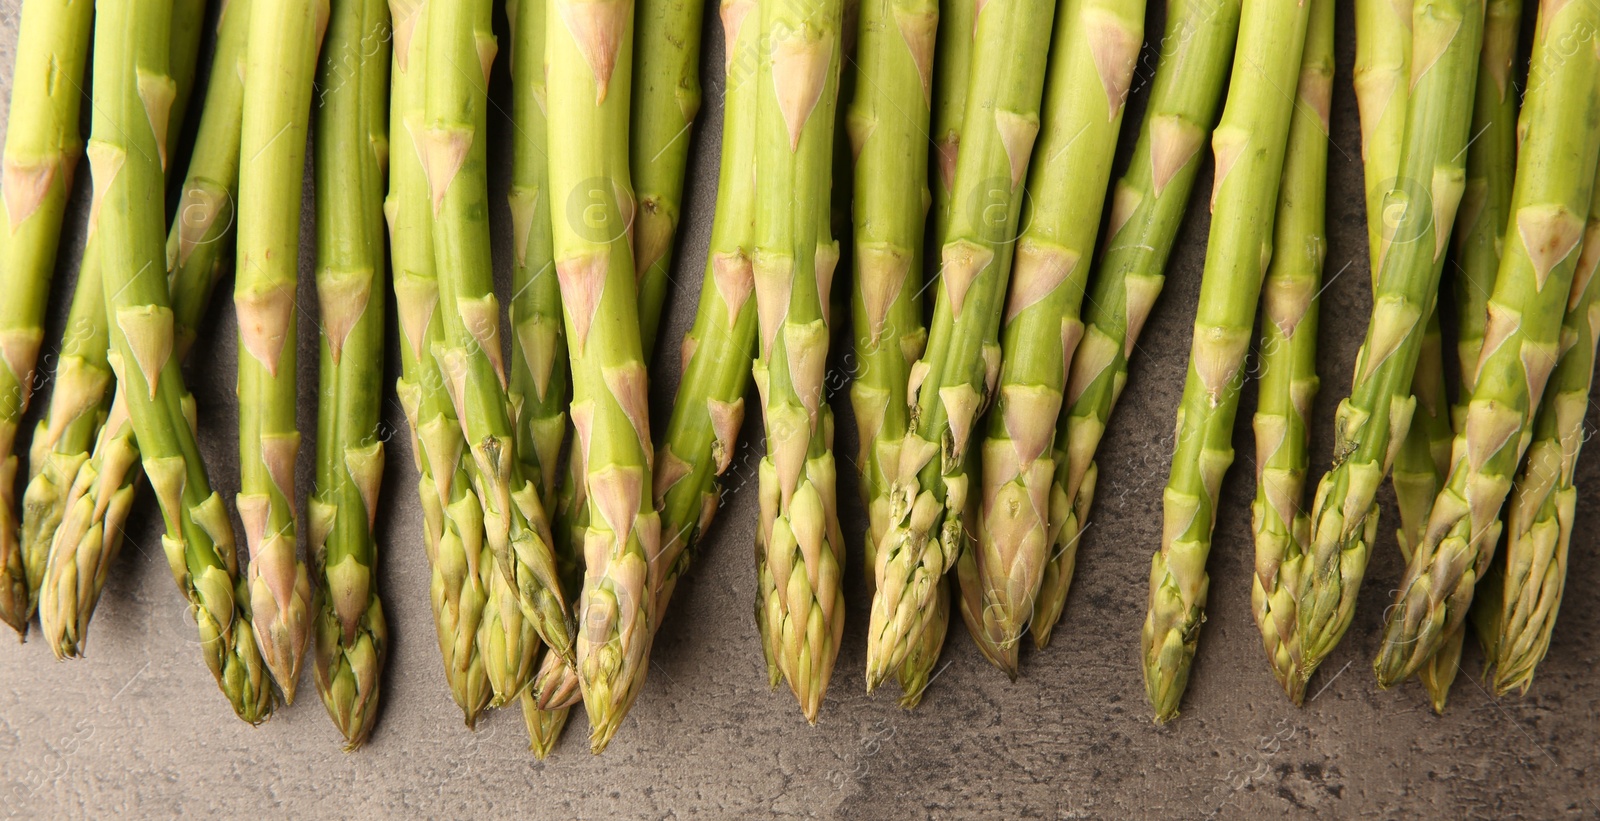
952 68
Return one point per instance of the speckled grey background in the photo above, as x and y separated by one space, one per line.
138 728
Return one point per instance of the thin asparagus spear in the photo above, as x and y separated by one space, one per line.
1147 208
589 66
707 412
1554 181
453 528
954 380
1288 359
800 549
470 360
86 494
131 95
352 153
1371 423
1544 499
188 26
952 66
280 70
666 97
539 370
1248 146
1096 44
41 151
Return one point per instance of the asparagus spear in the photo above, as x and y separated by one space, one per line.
958 28
88 494
188 26
800 549
1096 45
41 150
1554 181
1544 499
955 378
1248 145
470 359
539 373
666 96
131 92
703 431
1147 207
352 152
453 528
280 67
1371 423
589 66
1288 359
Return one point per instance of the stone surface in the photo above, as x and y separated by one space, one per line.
138 727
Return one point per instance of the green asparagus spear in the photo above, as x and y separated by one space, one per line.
41 151
280 70
539 371
1147 207
352 154
1555 177
589 66
452 520
1248 146
666 96
1095 49
88 494
952 66
131 95
1371 423
1544 499
1288 359
954 380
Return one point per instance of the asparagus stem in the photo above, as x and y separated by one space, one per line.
1096 46
1147 208
703 432
589 67
41 151
1288 359
352 153
89 494
888 123
952 67
280 69
1248 146
1544 499
666 97
132 90
539 371
1554 181
799 547
1371 423
453 529
955 378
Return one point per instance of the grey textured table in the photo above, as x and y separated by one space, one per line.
139 728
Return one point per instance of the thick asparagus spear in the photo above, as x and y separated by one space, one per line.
130 99
1554 181
589 65
666 97
1248 146
453 528
1147 208
1096 45
280 69
88 495
539 370
955 378
888 123
800 549
1544 499
1371 423
703 432
352 154
41 150
1288 359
